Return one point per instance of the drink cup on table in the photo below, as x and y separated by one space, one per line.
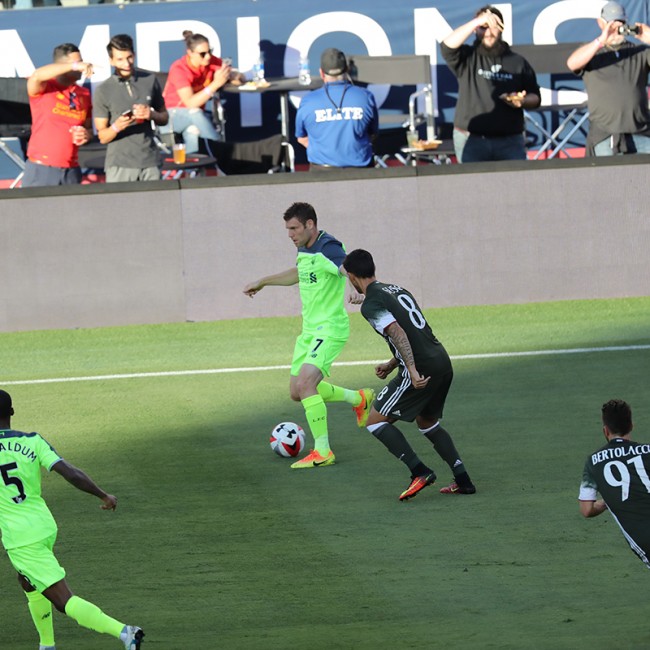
411 138
179 153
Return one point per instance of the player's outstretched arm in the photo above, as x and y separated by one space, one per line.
83 482
282 279
401 342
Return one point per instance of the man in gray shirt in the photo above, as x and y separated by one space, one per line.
615 72
124 107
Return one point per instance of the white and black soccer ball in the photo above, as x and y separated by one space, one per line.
287 439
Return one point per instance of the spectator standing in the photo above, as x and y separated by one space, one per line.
125 105
336 122
495 85
619 472
615 72
61 119
192 82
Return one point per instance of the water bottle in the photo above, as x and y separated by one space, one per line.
304 76
258 69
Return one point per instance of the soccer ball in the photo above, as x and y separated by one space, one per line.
287 439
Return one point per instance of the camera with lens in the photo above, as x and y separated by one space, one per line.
626 30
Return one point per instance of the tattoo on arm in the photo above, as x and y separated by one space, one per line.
400 341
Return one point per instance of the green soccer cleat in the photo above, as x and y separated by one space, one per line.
314 459
363 410
417 483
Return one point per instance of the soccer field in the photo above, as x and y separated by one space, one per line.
216 543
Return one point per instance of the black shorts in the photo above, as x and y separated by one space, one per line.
400 401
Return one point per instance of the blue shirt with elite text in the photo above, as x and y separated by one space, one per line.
338 119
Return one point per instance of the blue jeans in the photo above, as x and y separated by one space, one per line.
641 143
478 148
192 124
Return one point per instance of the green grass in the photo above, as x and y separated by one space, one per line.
216 543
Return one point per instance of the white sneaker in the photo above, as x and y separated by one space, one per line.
131 637
46 647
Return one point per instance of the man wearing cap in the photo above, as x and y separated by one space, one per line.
615 72
336 122
495 85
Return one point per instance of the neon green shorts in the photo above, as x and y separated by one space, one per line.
316 350
37 563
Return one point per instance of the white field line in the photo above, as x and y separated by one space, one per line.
223 371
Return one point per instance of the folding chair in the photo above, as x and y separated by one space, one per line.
572 118
258 157
402 70
12 148
15 123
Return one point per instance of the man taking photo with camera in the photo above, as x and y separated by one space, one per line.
615 73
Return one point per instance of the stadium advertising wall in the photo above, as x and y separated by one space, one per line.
284 29
131 253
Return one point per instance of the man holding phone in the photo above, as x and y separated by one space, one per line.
125 105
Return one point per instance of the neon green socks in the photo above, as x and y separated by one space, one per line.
90 616
41 610
331 393
316 414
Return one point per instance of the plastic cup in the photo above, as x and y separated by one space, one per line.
411 138
78 135
179 153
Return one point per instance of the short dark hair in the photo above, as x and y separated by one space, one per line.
617 416
491 9
192 39
301 211
121 42
360 263
6 409
61 51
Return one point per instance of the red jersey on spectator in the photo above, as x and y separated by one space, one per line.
182 74
54 112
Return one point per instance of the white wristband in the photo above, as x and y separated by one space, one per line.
208 92
599 42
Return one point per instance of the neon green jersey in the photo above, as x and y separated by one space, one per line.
322 287
24 515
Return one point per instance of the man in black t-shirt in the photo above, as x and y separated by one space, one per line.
419 390
615 72
495 85
620 472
